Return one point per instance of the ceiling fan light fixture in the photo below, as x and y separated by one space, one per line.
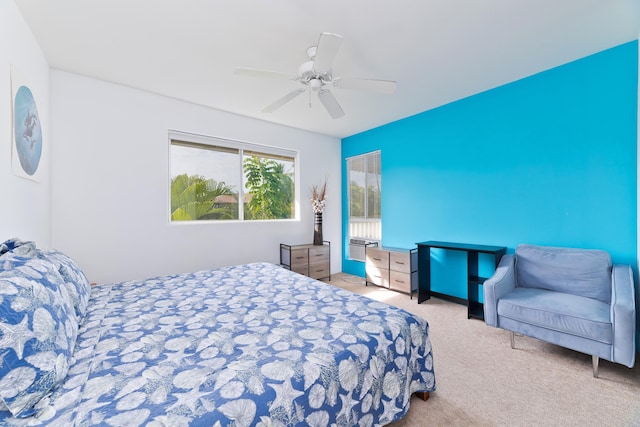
315 84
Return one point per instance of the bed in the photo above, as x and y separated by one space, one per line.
245 345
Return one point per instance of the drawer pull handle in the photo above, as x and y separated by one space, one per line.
398 262
299 257
399 281
377 259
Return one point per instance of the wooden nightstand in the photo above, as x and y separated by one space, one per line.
310 260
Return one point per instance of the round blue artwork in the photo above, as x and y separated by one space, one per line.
28 133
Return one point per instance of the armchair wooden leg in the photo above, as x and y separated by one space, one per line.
594 362
513 339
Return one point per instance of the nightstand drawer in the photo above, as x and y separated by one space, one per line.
302 269
318 254
299 258
400 261
316 271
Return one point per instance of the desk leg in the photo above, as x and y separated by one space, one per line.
424 273
474 307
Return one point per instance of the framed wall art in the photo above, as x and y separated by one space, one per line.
27 131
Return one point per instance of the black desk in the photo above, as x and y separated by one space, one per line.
475 308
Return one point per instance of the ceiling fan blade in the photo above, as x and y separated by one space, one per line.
328 46
380 86
280 102
330 103
257 72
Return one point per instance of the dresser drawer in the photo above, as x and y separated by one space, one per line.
318 254
318 271
378 258
400 262
299 258
377 276
302 269
400 281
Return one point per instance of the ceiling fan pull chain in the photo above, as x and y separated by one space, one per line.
309 99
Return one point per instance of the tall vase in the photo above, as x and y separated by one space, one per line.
317 229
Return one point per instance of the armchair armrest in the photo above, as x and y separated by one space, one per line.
498 285
623 315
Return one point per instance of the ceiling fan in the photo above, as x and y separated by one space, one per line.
316 76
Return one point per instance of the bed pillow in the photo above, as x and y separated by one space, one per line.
38 330
75 280
18 246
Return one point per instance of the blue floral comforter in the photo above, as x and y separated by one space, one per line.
249 345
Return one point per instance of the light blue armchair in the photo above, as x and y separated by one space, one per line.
573 298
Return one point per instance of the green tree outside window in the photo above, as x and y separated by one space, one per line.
193 198
271 190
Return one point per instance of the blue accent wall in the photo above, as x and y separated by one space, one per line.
549 159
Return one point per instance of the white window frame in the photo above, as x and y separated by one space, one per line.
241 146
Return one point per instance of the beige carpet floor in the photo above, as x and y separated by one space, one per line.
481 381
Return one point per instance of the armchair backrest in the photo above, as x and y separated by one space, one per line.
584 272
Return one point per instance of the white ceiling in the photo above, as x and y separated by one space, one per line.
437 50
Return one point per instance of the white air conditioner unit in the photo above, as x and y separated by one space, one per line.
357 248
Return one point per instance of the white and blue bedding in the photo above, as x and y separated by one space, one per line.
248 345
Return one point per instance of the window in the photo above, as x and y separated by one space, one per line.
365 195
210 176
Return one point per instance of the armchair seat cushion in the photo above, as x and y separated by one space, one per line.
562 312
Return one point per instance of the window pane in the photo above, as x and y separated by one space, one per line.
373 186
268 181
357 184
205 182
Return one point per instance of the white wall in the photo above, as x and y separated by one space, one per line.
25 208
110 184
